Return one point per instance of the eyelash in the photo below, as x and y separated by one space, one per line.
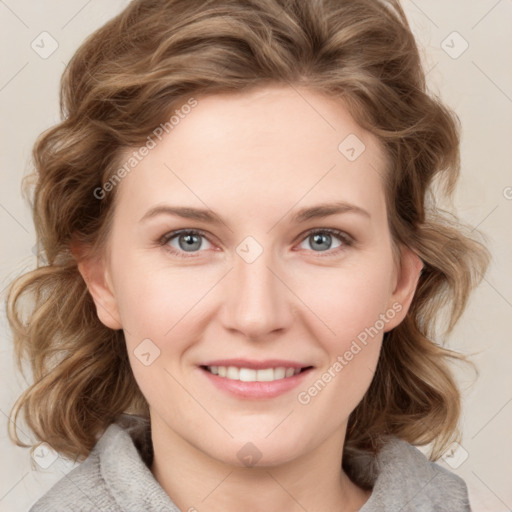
347 240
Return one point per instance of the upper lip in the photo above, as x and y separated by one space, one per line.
256 365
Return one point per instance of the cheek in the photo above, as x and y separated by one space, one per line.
156 307
347 301
352 305
162 312
153 297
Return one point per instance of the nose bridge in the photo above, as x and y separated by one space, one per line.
256 299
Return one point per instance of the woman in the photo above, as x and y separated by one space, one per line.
243 265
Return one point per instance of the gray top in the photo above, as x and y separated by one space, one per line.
116 478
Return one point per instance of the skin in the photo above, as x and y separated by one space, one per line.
254 159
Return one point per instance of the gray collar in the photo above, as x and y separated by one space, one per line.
400 476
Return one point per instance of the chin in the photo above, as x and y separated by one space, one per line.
254 451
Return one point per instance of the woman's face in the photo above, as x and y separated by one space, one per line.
267 279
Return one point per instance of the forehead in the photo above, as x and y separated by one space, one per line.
273 145
280 121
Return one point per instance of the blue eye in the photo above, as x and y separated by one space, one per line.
187 240
320 238
190 241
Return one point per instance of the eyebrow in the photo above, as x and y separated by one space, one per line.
313 212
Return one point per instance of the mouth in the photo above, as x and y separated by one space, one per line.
245 374
246 379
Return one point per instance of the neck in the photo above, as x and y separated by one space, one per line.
196 481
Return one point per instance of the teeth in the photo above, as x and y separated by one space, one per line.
289 372
246 375
233 373
266 375
279 373
251 375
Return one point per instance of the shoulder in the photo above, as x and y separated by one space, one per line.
114 478
404 479
84 487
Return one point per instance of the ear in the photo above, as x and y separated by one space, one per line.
407 277
96 276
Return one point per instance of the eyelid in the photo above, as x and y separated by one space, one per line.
340 233
172 234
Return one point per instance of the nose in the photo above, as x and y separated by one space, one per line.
257 302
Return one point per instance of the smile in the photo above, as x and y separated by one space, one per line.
246 379
252 375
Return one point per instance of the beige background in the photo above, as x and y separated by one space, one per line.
476 82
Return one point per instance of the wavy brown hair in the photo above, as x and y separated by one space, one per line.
125 80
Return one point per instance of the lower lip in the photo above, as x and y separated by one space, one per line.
256 389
